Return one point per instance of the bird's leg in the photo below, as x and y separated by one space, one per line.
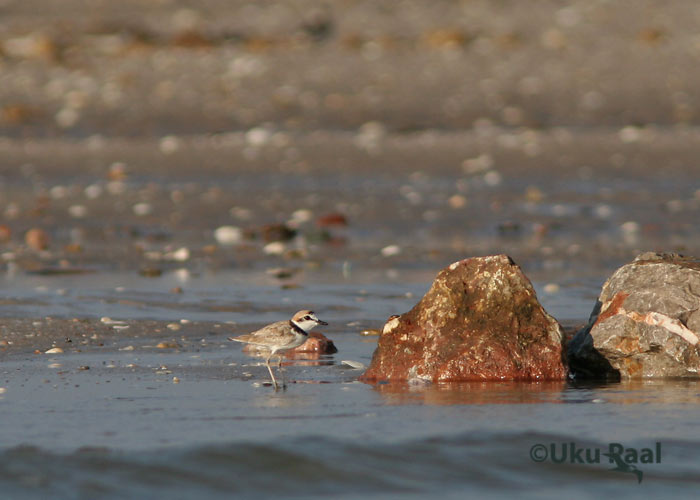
284 383
269 368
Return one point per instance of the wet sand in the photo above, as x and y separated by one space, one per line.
355 149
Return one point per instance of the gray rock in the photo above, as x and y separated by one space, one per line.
646 322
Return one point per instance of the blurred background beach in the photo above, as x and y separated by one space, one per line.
395 133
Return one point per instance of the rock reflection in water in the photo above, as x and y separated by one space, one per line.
626 393
456 393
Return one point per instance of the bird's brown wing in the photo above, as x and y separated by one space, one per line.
275 334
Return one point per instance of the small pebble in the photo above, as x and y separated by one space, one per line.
176 380
228 235
116 188
281 272
391 250
168 345
109 321
479 164
258 136
142 209
54 350
150 272
58 192
5 233
630 227
333 219
274 248
3 390
37 239
301 216
77 211
353 364
630 134
551 288
93 191
492 178
371 332
457 201
169 144
117 171
181 254
173 326
603 211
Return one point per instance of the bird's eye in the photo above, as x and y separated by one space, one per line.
307 317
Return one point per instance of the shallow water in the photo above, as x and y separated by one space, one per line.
123 429
240 296
217 436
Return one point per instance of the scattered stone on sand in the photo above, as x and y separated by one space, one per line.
390 250
180 255
282 272
37 239
332 219
277 232
168 345
228 235
274 248
78 211
54 350
371 332
109 321
142 209
150 272
356 365
645 324
480 320
5 233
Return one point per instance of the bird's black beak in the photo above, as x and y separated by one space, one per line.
322 322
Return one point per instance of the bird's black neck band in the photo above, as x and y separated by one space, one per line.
297 328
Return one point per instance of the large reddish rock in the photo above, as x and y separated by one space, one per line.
645 324
480 320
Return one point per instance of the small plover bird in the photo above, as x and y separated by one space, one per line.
282 336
